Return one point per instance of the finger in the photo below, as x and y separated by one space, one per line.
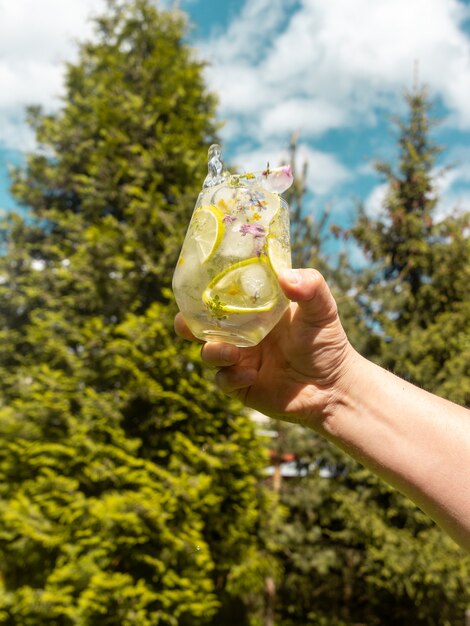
182 329
230 379
308 288
220 354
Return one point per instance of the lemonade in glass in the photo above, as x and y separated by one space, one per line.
225 282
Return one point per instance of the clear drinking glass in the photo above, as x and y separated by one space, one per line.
225 282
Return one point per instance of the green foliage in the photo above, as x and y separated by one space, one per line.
416 291
355 551
126 152
352 550
129 487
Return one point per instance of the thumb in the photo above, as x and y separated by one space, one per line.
308 288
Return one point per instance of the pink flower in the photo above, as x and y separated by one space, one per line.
278 179
252 229
229 219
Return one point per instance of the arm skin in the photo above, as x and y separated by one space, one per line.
306 371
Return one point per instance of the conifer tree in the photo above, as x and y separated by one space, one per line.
129 487
417 289
353 550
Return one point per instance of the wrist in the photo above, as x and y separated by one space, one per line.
346 392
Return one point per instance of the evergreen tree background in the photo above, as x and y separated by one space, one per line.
416 290
131 490
354 551
129 487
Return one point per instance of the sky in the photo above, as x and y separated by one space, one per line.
332 71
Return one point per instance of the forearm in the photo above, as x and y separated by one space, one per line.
417 442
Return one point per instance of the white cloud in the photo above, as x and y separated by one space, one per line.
248 37
356 255
13 131
36 39
453 194
306 116
321 65
28 81
279 66
334 62
239 89
324 174
454 203
453 188
373 206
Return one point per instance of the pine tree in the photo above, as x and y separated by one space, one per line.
417 289
352 549
129 487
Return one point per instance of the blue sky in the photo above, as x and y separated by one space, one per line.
333 71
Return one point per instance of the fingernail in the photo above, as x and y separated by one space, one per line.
229 354
292 276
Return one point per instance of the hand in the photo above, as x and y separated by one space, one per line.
296 373
306 371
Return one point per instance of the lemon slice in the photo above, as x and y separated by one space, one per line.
278 244
245 287
207 231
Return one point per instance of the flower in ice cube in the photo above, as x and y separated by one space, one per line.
252 229
258 233
229 219
278 179
257 198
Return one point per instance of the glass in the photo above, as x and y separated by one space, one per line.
225 282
